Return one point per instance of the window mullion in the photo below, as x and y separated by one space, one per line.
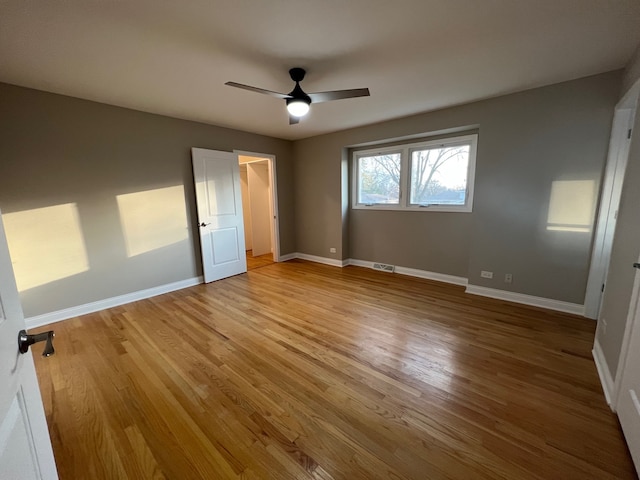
404 177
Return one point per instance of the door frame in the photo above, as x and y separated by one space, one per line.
615 168
631 100
275 230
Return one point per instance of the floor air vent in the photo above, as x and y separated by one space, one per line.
383 267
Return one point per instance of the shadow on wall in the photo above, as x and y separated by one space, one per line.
48 245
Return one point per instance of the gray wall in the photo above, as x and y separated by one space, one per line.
632 71
57 150
626 245
527 141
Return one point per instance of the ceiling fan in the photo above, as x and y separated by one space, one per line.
297 100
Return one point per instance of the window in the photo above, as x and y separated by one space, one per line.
379 179
435 175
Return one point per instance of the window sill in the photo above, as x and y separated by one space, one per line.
430 208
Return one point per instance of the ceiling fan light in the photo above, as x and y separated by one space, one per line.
297 107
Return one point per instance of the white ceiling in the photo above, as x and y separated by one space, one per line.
172 57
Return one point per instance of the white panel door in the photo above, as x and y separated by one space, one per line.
608 211
219 200
25 446
260 199
628 407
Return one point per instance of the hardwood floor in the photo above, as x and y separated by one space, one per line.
304 371
259 261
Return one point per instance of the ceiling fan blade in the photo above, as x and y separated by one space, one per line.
338 95
258 90
293 120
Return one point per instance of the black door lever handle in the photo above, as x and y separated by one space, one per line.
25 341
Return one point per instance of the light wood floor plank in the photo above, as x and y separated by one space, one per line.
304 371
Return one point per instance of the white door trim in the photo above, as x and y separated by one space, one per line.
609 203
610 200
631 99
275 230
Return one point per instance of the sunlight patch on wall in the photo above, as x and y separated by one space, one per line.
572 205
153 219
46 244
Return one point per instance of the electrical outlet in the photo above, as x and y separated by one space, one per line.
508 278
332 250
485 274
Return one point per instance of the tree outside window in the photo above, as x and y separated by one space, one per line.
438 174
379 179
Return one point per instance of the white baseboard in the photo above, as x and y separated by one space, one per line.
414 272
604 373
287 257
46 318
334 262
360 263
542 302
439 277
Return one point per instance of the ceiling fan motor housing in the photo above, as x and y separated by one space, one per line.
297 74
298 94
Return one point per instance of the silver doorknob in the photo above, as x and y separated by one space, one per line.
25 341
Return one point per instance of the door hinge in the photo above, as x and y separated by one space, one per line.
629 133
602 289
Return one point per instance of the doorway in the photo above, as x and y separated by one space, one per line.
623 123
257 181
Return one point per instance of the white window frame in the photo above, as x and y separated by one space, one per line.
405 180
